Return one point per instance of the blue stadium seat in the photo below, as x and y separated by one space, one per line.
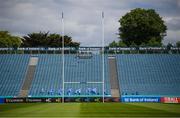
138 74
48 76
149 74
12 73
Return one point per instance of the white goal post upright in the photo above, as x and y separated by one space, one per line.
62 50
103 54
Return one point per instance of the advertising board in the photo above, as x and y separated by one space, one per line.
140 99
170 99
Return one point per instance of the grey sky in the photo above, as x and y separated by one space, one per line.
82 17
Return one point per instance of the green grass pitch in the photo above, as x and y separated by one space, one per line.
89 110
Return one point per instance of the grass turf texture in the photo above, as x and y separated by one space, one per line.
89 110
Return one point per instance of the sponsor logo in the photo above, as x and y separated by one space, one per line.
140 99
15 100
170 100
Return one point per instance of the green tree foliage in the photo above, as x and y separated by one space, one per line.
44 39
140 26
154 43
117 44
7 40
35 40
113 44
121 44
178 44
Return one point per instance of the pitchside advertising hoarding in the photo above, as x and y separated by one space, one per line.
32 100
92 99
170 99
58 100
1 100
151 99
140 99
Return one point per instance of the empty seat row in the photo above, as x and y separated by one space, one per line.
155 74
48 76
12 73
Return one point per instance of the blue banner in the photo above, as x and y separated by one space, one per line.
140 99
1 100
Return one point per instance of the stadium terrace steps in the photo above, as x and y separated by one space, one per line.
23 93
29 77
115 91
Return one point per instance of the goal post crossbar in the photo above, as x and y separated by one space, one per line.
83 82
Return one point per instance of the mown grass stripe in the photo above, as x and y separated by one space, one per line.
88 110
